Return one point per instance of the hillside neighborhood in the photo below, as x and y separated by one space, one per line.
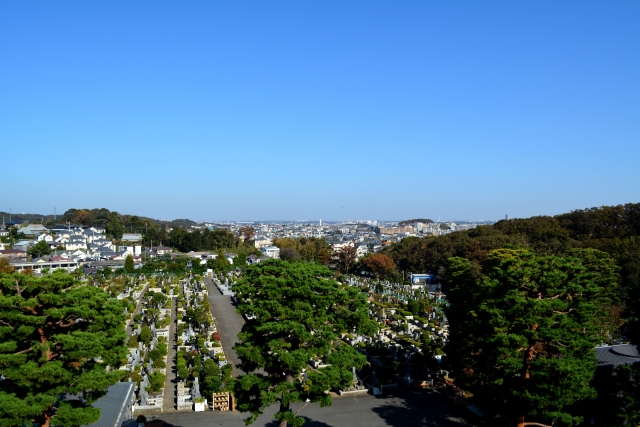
182 326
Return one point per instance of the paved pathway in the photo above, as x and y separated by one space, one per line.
403 409
228 322
169 403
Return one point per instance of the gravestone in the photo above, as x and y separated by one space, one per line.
195 391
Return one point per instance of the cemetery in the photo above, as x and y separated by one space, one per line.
412 328
173 335
168 311
201 364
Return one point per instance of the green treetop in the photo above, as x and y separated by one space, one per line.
56 337
299 312
128 264
145 335
39 249
523 330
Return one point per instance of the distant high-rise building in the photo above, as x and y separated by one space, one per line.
320 223
506 217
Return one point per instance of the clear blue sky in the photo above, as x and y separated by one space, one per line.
332 110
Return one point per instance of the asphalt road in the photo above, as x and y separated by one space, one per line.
404 409
228 322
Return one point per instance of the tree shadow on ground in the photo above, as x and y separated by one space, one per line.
307 423
427 408
159 423
149 423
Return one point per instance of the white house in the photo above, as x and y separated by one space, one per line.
337 247
132 237
161 250
362 250
270 251
44 236
261 241
75 245
131 249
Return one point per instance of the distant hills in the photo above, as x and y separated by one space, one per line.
98 217
614 230
411 221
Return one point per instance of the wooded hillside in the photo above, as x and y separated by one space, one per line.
612 229
411 221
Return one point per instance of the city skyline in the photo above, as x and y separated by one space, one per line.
6 216
58 215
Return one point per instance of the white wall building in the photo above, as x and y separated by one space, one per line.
270 251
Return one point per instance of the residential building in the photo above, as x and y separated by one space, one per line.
131 237
38 266
33 229
262 241
270 251
394 230
13 254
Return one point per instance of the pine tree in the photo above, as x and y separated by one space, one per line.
295 311
523 329
57 336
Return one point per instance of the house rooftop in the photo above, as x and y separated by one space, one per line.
114 405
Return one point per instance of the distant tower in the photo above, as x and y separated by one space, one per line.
320 223
506 217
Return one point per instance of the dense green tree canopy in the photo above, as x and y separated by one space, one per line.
295 313
211 378
309 248
206 240
611 229
56 336
220 263
115 228
39 249
523 329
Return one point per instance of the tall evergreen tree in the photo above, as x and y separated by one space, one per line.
128 264
523 329
57 336
295 311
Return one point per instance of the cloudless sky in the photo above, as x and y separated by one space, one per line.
309 109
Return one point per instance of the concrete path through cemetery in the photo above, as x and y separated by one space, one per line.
228 322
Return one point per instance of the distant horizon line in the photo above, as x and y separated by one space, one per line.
309 221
